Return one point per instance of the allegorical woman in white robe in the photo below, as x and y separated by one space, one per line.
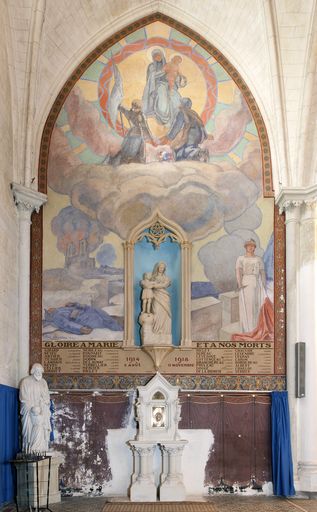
251 280
161 304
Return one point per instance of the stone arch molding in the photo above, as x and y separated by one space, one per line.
157 229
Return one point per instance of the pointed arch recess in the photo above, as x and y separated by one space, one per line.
276 381
267 179
179 236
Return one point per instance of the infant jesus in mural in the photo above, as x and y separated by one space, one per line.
147 292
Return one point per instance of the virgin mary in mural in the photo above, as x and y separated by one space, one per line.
161 98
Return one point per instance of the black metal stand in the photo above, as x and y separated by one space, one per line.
30 495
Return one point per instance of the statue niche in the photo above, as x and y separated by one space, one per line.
157 285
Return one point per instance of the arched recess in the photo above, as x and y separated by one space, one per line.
213 51
157 229
205 51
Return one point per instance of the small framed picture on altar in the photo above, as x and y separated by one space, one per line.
158 417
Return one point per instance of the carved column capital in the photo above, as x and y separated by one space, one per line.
186 245
141 448
291 199
26 199
143 451
128 245
176 449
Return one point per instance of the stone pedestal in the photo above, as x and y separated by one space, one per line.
172 487
227 331
28 479
307 473
143 487
230 307
149 337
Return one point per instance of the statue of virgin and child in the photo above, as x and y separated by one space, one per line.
156 318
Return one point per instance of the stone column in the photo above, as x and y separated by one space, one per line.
186 339
143 487
27 201
301 291
292 219
172 488
128 338
307 460
136 465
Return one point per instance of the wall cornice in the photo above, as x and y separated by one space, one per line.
290 197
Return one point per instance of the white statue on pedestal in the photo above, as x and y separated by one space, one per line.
156 316
35 411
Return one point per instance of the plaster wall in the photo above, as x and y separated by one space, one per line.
194 459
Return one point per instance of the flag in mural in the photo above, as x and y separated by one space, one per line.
116 95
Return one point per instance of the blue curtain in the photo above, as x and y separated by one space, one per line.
282 464
9 439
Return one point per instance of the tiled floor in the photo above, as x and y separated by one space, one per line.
218 504
225 503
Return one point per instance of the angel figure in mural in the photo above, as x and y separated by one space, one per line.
187 133
133 145
157 322
161 98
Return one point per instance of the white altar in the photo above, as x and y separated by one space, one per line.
157 411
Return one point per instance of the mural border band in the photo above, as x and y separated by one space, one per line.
186 382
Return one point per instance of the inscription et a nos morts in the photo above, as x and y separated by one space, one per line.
236 358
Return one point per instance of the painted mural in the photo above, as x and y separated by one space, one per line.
156 123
